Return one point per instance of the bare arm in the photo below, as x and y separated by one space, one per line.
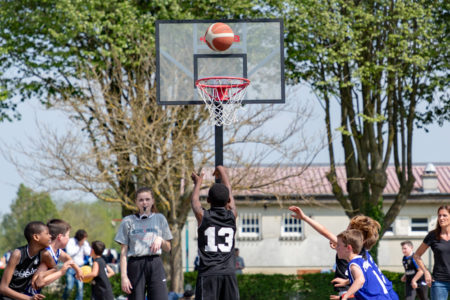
64 257
299 214
418 258
358 282
109 271
195 198
415 278
221 173
52 275
160 243
94 272
124 281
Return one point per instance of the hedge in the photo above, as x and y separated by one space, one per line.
255 286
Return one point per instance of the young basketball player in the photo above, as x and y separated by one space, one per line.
101 287
365 283
24 262
414 280
369 228
59 231
216 231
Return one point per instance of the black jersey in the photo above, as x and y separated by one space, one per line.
101 287
25 269
216 242
411 269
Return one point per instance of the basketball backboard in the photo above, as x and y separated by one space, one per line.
182 57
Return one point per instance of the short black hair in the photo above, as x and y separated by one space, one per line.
98 247
56 227
34 227
81 234
218 195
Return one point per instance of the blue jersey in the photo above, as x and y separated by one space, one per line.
374 287
386 281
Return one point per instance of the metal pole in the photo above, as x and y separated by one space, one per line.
219 145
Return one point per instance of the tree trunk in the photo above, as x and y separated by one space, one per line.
176 261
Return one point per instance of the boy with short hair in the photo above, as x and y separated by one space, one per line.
24 263
365 282
101 287
414 280
216 231
59 232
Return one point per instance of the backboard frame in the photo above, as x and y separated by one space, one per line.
217 55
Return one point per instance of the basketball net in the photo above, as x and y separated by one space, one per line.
223 97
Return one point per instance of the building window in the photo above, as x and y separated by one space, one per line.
419 225
249 226
291 228
390 230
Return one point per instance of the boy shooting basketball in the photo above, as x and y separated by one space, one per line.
216 230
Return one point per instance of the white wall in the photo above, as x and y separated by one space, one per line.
272 255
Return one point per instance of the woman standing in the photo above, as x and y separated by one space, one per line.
142 236
439 241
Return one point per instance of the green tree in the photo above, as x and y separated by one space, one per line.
97 57
98 218
28 206
381 61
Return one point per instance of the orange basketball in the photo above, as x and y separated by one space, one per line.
219 36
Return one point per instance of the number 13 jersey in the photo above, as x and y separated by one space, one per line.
216 242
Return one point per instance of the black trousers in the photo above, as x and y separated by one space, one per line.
217 287
147 274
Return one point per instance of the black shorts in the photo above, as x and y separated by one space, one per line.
421 292
217 287
146 275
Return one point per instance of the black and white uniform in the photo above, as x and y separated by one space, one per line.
25 269
144 268
216 272
101 287
411 269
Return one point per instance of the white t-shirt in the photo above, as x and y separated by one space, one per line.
78 252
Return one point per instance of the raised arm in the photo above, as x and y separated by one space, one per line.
221 173
299 214
195 197
418 258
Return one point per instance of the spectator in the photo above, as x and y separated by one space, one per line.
239 262
77 248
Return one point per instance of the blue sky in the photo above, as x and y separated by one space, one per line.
428 147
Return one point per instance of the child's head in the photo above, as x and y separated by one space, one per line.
81 234
58 227
218 195
369 228
98 247
407 248
37 231
349 242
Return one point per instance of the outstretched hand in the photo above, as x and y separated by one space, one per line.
298 212
340 282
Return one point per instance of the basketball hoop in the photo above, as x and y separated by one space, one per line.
223 97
